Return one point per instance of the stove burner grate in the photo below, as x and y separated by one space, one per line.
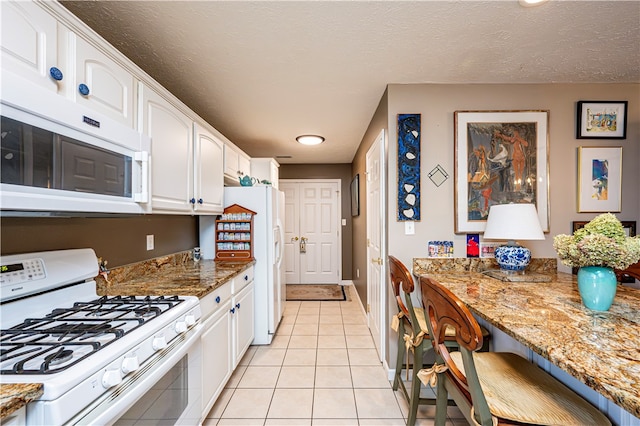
46 345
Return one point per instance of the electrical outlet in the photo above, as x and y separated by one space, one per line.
150 242
357 272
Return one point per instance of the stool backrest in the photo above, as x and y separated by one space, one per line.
401 280
443 309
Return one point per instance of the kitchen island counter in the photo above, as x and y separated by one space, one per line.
600 349
170 275
15 396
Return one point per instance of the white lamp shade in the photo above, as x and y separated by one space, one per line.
513 222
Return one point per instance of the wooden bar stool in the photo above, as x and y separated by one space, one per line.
494 388
412 335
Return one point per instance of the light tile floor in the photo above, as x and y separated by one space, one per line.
321 369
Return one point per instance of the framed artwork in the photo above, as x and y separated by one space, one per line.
501 157
409 167
602 120
629 229
355 196
599 179
487 250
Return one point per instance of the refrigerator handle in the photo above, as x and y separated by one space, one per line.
279 245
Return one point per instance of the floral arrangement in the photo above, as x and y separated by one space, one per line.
602 242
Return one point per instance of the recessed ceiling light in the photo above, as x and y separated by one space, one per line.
310 139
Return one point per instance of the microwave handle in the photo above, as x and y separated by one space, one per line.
143 158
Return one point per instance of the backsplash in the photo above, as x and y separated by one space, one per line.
437 266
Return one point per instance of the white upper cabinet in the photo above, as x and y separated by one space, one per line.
208 185
237 164
171 133
29 43
265 169
103 85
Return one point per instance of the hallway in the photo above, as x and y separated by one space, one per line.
321 369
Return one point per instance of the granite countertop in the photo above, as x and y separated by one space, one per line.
15 396
601 349
164 276
169 276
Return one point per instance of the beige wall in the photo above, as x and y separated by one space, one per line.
330 171
437 104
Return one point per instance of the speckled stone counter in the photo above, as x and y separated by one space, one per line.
15 396
169 275
601 349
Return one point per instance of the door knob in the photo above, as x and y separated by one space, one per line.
294 239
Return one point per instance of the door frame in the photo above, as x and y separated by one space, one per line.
382 308
338 217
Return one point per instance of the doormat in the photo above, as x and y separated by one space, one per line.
315 292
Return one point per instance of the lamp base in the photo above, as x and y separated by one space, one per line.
512 257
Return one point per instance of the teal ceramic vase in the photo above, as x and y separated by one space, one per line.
597 287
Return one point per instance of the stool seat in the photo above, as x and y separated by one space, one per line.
519 391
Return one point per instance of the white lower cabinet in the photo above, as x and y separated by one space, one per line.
227 317
216 360
242 322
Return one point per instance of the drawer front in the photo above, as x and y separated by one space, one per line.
242 279
214 300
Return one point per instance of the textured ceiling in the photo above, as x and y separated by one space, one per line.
264 72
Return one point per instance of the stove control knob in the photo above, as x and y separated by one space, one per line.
159 342
180 327
110 378
190 319
130 364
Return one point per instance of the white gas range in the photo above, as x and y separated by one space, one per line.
102 360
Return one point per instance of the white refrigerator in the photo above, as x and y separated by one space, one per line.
268 250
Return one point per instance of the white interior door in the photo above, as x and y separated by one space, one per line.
375 241
312 231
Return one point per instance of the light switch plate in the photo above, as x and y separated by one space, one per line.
409 228
150 242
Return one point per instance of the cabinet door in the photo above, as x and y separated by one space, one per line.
208 172
171 134
112 89
243 322
216 356
29 43
231 157
244 165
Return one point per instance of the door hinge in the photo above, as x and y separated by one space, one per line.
368 242
368 308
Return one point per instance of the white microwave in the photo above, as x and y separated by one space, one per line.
58 156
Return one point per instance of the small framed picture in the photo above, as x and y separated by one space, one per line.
599 179
473 245
487 249
602 120
442 249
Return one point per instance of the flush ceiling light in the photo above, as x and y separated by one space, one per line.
310 139
530 3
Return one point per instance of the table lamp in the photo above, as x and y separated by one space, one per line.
513 222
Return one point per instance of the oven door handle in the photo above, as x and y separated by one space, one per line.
116 401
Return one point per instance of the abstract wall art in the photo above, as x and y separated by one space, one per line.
409 133
599 179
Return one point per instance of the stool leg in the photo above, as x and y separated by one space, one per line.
399 359
418 353
441 402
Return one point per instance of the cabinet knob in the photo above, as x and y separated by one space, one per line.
217 299
200 201
233 310
55 73
238 305
83 89
192 201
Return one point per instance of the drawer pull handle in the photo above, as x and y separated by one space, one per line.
83 89
55 73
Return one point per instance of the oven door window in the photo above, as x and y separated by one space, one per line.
166 401
32 156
